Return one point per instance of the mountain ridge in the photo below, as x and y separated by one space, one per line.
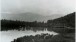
30 17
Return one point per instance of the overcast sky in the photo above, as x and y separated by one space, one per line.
43 7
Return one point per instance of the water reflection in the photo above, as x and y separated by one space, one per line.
10 35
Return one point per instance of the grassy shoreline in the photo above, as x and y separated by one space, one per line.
64 36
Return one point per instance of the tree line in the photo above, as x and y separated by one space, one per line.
16 24
68 20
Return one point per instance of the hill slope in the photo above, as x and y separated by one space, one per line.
68 20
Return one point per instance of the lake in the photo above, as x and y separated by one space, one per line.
10 35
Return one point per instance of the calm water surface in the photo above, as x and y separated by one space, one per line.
10 35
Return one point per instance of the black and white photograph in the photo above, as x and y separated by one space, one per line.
37 20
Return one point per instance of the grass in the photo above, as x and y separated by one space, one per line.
68 37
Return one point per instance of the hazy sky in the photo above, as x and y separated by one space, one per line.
43 7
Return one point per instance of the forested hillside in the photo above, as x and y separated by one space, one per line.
68 21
